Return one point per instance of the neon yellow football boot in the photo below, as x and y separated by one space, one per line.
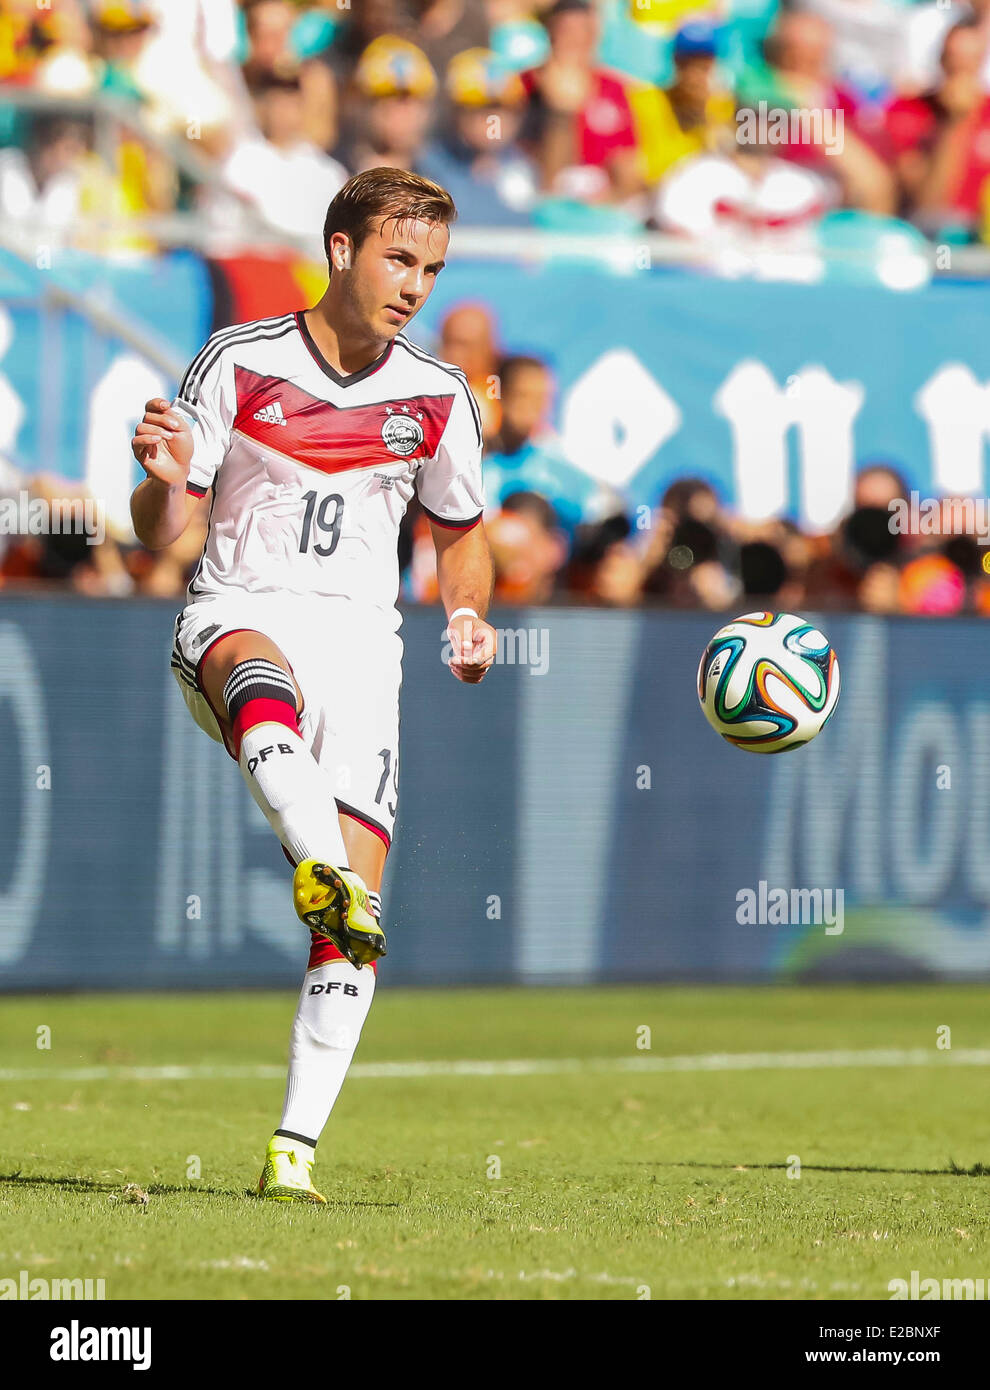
335 903
288 1172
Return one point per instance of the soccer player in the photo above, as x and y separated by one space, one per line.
311 431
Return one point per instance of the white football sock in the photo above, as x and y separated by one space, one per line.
332 1008
294 793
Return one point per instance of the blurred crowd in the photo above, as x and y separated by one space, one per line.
558 113
558 536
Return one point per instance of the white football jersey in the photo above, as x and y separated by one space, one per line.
312 471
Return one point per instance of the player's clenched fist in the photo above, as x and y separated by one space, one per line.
472 648
163 443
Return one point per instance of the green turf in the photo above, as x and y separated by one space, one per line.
610 1182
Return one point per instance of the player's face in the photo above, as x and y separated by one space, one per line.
395 271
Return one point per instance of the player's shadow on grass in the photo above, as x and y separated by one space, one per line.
978 1170
346 1203
160 1189
155 1189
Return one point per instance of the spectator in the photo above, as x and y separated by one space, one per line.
58 183
395 86
692 115
579 127
43 186
762 570
66 66
189 75
141 181
591 546
515 34
797 551
528 547
606 566
27 33
862 542
476 157
528 553
467 339
879 589
101 572
941 139
799 77
524 453
747 201
445 28
877 485
689 558
868 48
280 174
695 574
90 563
617 579
271 55
269 31
121 29
923 32
362 24
692 498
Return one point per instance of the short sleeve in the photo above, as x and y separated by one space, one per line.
204 402
449 484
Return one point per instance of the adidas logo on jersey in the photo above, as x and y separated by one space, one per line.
271 414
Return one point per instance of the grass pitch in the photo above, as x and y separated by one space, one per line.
593 1169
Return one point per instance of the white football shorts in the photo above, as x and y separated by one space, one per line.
347 663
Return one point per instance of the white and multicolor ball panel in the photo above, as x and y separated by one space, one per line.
768 682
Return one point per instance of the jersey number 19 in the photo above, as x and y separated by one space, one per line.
330 526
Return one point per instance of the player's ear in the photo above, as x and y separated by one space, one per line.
340 251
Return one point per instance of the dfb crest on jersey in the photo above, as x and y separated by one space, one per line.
402 431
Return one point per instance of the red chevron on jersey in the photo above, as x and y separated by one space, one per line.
311 472
334 438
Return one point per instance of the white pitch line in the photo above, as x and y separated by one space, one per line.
531 1066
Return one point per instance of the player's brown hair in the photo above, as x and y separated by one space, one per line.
376 196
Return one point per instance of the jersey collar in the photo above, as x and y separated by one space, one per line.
325 366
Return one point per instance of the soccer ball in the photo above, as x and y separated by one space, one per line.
768 682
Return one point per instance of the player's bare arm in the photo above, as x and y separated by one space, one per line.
163 446
466 577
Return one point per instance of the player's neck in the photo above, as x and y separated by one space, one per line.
346 351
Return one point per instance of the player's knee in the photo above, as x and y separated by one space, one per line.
259 691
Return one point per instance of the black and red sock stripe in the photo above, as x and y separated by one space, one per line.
259 691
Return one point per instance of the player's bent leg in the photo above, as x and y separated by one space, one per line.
333 1006
336 903
366 857
232 649
366 852
348 921
249 682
